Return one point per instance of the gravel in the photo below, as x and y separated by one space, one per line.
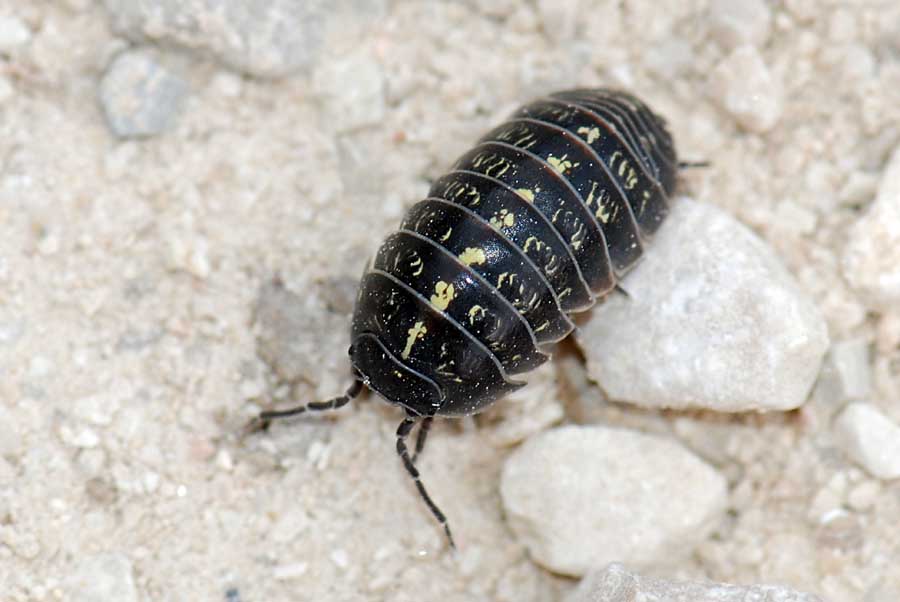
616 584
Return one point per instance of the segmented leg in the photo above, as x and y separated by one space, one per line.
265 418
402 432
420 438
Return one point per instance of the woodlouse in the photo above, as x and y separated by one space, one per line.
537 221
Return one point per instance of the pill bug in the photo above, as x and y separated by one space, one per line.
537 221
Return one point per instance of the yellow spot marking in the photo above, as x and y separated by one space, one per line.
603 213
473 255
447 235
552 265
476 312
415 333
417 262
443 295
505 276
527 194
578 237
532 240
504 218
590 198
590 134
542 326
494 166
562 165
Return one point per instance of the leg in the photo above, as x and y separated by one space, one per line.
420 438
693 164
402 432
623 291
262 421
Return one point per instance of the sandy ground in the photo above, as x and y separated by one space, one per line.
131 270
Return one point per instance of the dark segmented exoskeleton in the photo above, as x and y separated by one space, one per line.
539 220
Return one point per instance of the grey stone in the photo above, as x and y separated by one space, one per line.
263 38
140 96
870 439
103 577
712 320
580 497
871 259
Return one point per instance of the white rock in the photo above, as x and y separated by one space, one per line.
853 368
13 33
616 584
743 86
870 439
263 38
103 577
713 320
351 91
580 497
6 89
871 261
140 97
736 23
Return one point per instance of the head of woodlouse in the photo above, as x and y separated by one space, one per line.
385 374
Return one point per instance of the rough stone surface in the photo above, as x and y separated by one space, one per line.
872 255
870 439
13 33
734 24
103 577
616 584
581 497
351 91
712 320
745 88
140 96
299 342
263 38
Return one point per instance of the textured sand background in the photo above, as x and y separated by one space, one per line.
286 139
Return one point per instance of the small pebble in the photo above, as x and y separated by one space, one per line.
14 33
734 24
616 584
102 577
863 496
745 88
340 558
579 497
870 439
287 572
140 96
712 320
11 330
82 437
852 365
871 261
6 89
351 91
